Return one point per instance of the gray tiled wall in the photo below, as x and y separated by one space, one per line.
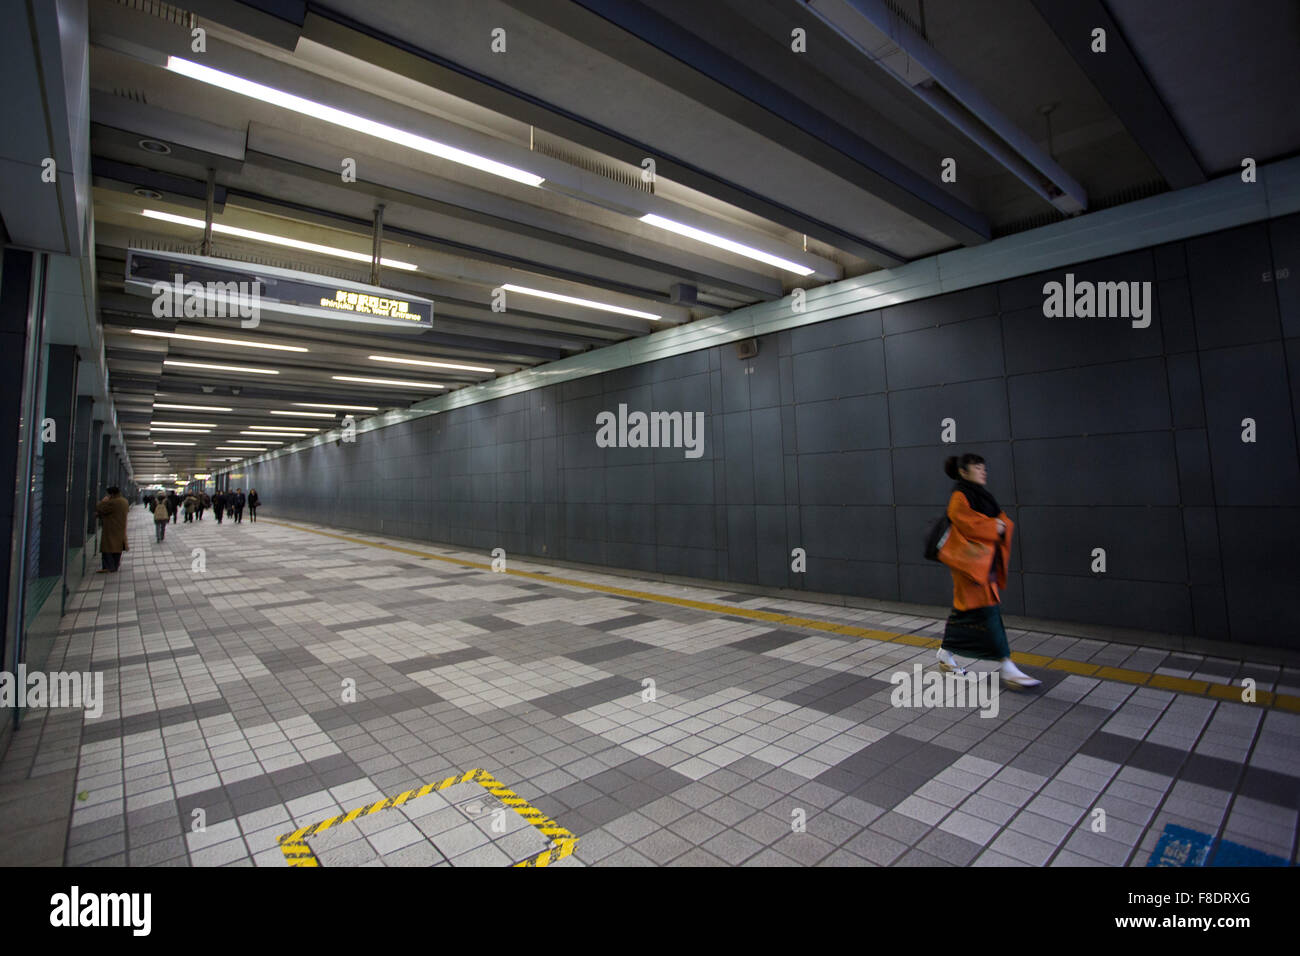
1096 434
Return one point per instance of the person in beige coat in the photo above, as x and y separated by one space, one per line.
112 510
160 517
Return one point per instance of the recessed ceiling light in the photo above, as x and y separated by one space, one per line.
153 146
349 121
346 408
222 368
276 240
406 361
307 414
218 341
739 248
147 193
385 381
585 303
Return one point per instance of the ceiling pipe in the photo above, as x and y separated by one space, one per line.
376 244
952 97
208 210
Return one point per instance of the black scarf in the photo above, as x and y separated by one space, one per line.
978 497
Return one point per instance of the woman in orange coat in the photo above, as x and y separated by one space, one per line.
977 550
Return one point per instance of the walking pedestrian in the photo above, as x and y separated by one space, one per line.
253 502
173 505
977 552
112 509
160 518
239 501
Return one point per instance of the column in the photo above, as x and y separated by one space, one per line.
60 392
82 420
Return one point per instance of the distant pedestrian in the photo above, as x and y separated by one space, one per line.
173 505
112 509
160 518
219 505
191 506
253 502
238 502
977 551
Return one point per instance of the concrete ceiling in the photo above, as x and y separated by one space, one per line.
822 157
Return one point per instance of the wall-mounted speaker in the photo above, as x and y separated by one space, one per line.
746 348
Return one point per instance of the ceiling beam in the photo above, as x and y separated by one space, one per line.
399 56
687 63
1118 76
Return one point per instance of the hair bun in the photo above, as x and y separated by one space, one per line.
950 467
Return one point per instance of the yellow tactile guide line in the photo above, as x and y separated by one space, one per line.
297 853
1181 685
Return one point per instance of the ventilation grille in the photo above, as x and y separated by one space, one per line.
623 173
156 8
1131 194
897 10
135 96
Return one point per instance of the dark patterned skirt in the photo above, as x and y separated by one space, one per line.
977 633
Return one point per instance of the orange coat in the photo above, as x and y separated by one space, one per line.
970 551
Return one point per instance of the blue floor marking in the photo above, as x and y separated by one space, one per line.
1179 846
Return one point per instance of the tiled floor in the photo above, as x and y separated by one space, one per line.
300 676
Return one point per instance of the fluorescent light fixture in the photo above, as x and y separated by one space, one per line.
238 448
586 303
278 434
748 252
246 441
193 408
276 240
286 428
192 431
390 134
182 424
218 341
175 443
307 414
385 381
346 408
405 361
198 477
222 368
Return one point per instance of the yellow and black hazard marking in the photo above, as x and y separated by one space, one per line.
297 853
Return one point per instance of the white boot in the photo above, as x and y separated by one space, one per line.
949 663
1014 676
